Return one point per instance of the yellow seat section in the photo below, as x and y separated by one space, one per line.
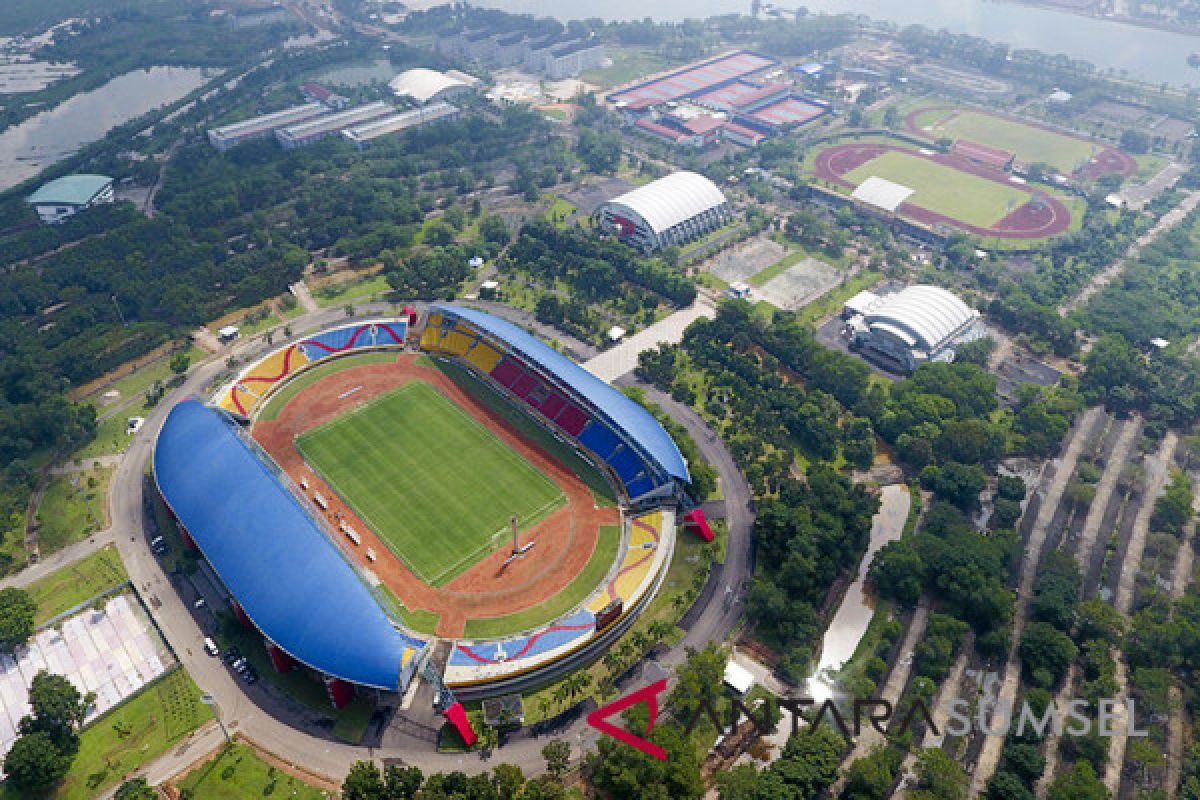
639 537
456 343
484 356
435 321
430 338
274 367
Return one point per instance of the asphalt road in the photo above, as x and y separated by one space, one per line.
300 742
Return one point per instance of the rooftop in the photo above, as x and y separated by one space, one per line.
70 190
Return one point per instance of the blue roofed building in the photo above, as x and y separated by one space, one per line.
281 567
70 194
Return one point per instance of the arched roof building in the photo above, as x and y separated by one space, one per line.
669 211
916 325
425 86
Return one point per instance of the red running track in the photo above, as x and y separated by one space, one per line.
1027 222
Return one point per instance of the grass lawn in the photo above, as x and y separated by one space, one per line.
436 485
559 212
354 290
602 492
416 619
238 774
1064 153
74 506
294 386
110 438
134 733
602 558
140 380
628 64
77 583
945 190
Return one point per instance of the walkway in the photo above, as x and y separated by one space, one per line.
1157 468
623 358
989 756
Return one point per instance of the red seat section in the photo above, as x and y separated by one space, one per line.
507 371
572 420
552 405
524 385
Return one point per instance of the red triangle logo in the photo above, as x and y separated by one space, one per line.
598 719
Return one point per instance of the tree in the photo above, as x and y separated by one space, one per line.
35 763
402 782
180 362
558 757
1046 653
58 709
17 611
509 780
1078 783
1007 786
364 782
939 777
136 789
897 573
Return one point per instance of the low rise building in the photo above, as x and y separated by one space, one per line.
70 194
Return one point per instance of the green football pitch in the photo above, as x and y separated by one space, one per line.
1030 143
432 482
958 195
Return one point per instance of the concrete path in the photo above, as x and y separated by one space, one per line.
989 756
896 681
304 297
615 362
1109 273
1157 469
1176 720
949 691
59 559
1083 556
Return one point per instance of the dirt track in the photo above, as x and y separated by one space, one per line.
564 540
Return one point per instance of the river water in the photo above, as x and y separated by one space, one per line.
42 140
850 622
1147 54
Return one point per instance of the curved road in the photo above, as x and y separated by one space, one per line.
315 752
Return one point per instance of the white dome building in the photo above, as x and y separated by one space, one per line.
916 325
669 211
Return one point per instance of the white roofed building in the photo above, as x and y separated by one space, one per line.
425 86
914 326
669 211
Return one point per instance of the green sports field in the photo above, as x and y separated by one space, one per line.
1064 153
944 190
432 482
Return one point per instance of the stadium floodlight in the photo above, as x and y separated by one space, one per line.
211 701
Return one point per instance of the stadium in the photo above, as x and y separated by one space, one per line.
448 497
914 326
669 211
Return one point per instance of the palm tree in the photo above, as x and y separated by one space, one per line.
562 692
544 706
612 662
639 640
660 630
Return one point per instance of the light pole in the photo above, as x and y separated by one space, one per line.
209 700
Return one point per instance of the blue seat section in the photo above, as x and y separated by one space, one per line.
639 487
599 439
289 578
566 631
332 341
627 464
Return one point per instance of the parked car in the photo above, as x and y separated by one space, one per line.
210 647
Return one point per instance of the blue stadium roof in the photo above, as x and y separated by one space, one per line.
637 422
283 570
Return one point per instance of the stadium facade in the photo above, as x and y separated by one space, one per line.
291 576
914 326
670 211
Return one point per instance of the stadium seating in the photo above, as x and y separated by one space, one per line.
507 371
571 420
483 356
524 385
626 464
553 404
600 440
639 487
